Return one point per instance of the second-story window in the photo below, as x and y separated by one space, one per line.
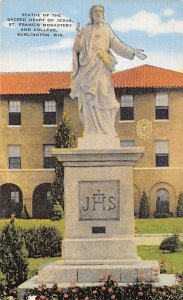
14 157
48 159
162 112
127 108
14 112
50 112
162 154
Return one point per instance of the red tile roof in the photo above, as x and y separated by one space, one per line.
33 83
145 76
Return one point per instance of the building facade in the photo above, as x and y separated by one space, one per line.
150 116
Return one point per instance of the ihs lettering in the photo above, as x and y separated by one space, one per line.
100 202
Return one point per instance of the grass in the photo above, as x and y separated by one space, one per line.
172 260
166 225
35 263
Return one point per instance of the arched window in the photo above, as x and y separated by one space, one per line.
11 200
162 201
42 201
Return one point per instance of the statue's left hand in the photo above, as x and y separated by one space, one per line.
139 54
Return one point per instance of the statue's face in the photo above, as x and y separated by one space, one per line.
98 14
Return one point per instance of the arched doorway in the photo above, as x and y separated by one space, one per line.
11 200
162 201
42 201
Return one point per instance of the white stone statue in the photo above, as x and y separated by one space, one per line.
93 64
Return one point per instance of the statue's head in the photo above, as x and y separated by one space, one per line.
96 13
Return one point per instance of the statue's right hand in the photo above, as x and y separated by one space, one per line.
78 29
79 32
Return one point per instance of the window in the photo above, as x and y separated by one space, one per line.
50 112
162 201
162 156
48 159
48 196
127 143
127 108
14 157
162 106
15 197
14 113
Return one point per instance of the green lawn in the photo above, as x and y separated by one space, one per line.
172 260
166 225
35 263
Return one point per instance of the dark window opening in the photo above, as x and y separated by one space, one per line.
49 118
162 113
14 163
49 162
14 118
162 160
127 113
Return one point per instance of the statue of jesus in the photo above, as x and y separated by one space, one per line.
93 64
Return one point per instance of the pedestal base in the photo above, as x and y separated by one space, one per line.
99 249
123 271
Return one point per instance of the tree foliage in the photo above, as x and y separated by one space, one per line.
24 213
64 139
180 206
144 206
13 255
64 135
57 212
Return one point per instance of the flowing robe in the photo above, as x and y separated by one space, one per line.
92 84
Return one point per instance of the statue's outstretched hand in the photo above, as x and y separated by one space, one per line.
139 53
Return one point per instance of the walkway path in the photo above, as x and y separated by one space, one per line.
153 239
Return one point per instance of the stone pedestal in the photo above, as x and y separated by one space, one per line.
99 218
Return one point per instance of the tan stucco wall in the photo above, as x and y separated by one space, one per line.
146 176
31 135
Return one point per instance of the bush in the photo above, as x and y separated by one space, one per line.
180 206
42 242
13 256
57 212
144 206
64 139
107 290
162 215
171 243
24 213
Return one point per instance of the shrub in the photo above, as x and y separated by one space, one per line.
107 290
64 139
42 242
57 212
171 243
180 206
13 256
24 213
144 206
162 215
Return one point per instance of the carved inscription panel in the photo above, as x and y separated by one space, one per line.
98 200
